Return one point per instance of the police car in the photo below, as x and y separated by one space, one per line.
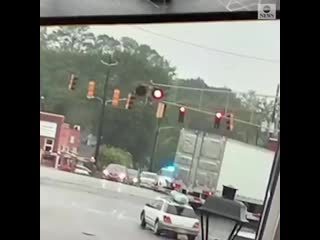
171 214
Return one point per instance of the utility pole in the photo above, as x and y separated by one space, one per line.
102 110
101 118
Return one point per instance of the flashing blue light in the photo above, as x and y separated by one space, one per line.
171 168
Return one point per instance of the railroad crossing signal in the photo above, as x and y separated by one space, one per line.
115 98
182 113
161 110
91 89
230 121
72 82
130 100
217 119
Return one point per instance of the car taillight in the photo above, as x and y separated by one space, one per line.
196 225
166 219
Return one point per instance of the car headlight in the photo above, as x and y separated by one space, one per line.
135 180
122 176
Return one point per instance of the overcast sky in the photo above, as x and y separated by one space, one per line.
260 39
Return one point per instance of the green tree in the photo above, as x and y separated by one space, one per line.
75 49
110 154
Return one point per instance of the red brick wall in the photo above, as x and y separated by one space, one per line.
66 133
51 117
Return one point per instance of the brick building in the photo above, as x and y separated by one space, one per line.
69 138
56 136
50 127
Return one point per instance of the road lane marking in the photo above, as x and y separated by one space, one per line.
92 210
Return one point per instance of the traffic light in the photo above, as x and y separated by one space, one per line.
141 90
154 93
182 112
161 110
130 100
157 94
72 82
115 97
217 119
230 121
91 89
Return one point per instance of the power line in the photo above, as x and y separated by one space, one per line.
209 48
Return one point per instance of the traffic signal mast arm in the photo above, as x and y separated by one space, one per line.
211 113
205 89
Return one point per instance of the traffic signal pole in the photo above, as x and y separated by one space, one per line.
154 146
101 118
102 111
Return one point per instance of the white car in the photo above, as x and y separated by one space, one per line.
164 184
148 179
82 170
167 215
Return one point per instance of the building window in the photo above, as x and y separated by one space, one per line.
72 139
48 145
48 149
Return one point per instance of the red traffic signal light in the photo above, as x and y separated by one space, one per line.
217 119
219 115
157 94
182 111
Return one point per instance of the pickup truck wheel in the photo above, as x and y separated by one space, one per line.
142 220
156 229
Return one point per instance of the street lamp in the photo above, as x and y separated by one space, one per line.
222 215
109 63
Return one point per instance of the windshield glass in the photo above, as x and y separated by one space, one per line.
149 175
181 211
199 100
116 168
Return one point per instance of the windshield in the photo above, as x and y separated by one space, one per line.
181 211
149 175
116 168
199 100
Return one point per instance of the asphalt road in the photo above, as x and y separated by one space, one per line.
74 214
74 207
51 8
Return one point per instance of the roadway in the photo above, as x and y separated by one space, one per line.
74 207
74 214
